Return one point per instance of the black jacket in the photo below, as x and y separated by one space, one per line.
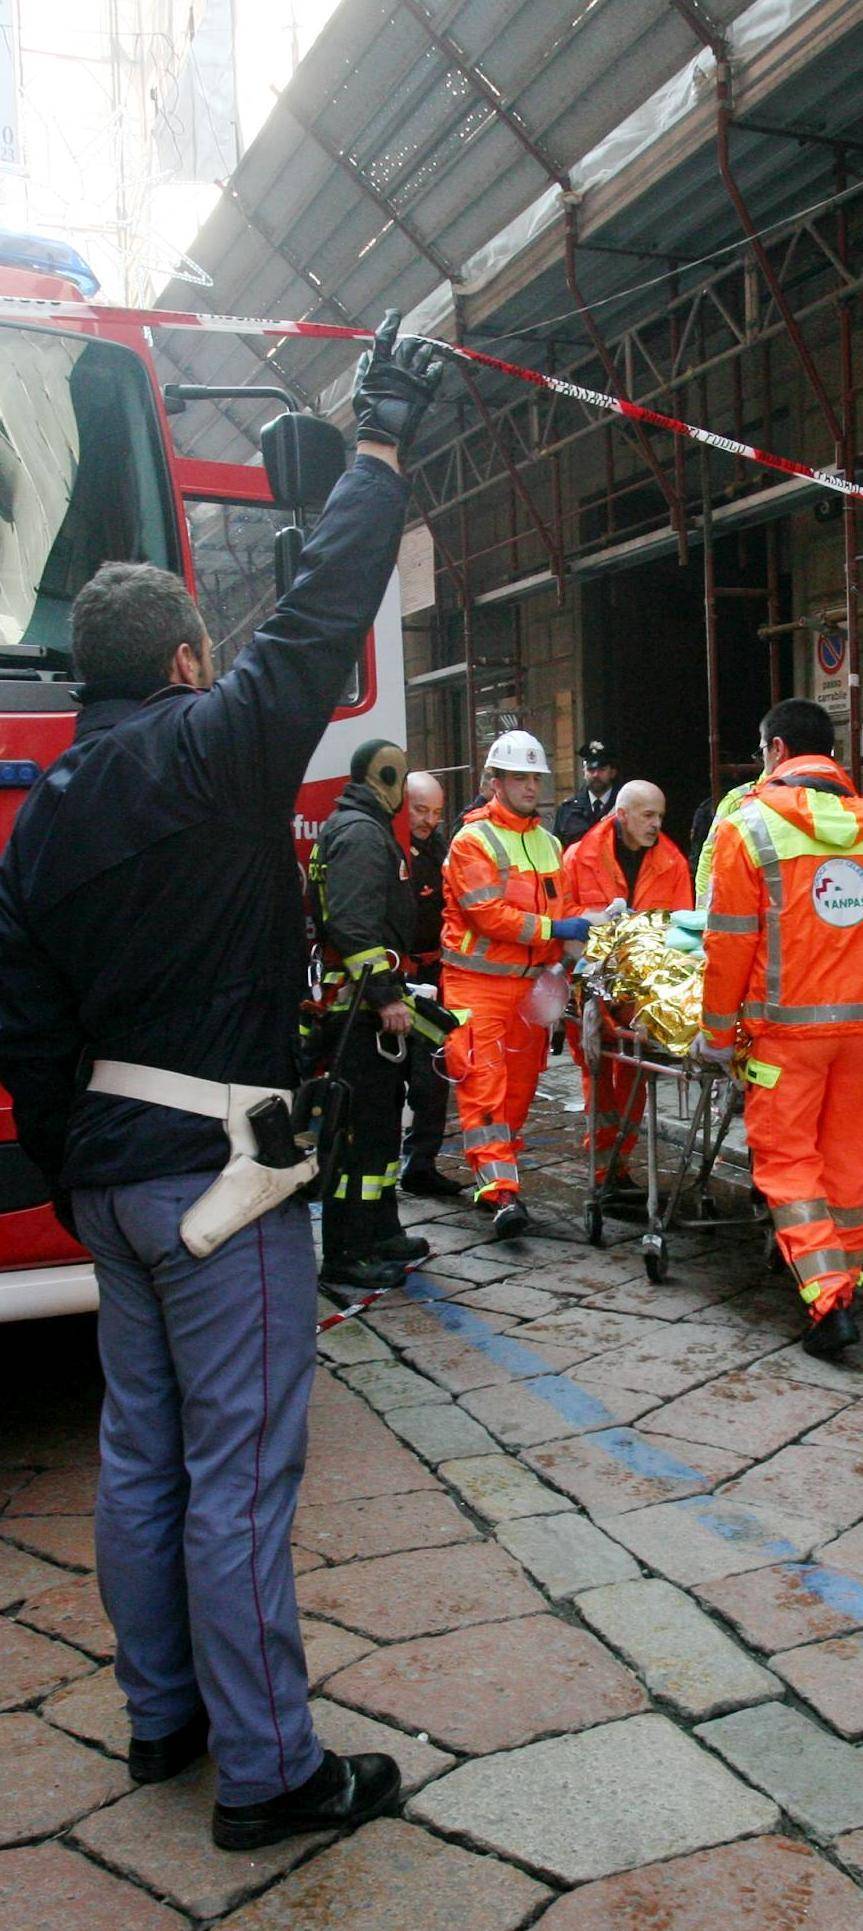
575 815
150 904
476 804
365 895
425 863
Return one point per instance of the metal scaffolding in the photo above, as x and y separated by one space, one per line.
737 319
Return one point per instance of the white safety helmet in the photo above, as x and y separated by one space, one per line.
518 751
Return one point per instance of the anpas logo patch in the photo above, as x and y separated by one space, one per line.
837 892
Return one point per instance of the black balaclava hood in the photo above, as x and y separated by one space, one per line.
384 768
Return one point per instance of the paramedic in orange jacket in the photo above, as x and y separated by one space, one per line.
506 917
628 856
785 956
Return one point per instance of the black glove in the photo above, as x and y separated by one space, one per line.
394 384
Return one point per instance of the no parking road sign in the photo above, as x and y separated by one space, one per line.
831 671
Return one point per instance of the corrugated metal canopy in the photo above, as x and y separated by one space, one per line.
686 213
385 166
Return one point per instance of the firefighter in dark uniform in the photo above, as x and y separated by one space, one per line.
428 1088
152 954
594 799
364 908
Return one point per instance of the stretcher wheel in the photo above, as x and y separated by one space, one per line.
656 1258
593 1222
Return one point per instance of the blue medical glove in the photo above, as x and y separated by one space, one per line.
578 929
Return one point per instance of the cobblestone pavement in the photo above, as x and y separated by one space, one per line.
583 1552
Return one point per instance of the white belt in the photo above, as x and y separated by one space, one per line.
214 1099
244 1189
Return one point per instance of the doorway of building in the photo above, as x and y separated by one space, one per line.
645 676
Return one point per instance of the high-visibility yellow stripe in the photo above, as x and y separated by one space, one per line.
374 955
838 827
372 1186
534 850
761 1073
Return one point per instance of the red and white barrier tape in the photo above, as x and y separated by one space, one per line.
359 1307
348 1313
23 309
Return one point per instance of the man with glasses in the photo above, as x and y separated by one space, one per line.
785 962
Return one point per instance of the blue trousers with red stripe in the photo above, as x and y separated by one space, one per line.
208 1370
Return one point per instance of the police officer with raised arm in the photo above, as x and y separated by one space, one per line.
151 959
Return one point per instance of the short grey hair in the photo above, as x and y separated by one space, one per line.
128 622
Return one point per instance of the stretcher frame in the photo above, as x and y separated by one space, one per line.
615 1041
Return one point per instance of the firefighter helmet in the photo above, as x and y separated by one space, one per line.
518 751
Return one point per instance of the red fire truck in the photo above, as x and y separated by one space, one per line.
89 472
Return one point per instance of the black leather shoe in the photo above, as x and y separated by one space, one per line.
427 1182
343 1791
343 1280
510 1220
403 1247
838 1330
155 1759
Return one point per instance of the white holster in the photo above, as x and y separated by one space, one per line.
244 1189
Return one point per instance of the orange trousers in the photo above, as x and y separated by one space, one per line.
495 1061
614 1083
807 1156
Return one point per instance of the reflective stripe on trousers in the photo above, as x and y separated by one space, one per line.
494 1062
806 1149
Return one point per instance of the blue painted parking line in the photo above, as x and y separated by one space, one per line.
642 1457
578 1406
580 1409
837 1591
736 1525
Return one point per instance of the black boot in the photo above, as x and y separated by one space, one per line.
155 1759
837 1330
428 1183
343 1791
402 1247
390 1241
344 1280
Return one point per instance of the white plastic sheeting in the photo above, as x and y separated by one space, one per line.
754 30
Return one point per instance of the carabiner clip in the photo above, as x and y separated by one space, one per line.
398 1043
316 973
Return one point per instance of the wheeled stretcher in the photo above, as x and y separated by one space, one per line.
709 1117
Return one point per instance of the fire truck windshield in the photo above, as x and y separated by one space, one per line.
82 481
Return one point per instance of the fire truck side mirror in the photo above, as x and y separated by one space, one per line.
286 555
304 458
